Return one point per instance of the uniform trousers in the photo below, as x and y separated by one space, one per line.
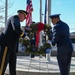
7 56
64 63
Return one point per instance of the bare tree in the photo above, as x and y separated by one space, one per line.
2 10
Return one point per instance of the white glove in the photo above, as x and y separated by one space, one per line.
49 41
26 37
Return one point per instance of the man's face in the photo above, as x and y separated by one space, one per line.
54 21
22 17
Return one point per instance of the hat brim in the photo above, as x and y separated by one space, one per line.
54 16
22 11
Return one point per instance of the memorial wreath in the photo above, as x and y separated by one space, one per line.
31 31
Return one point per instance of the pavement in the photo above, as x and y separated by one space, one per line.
39 66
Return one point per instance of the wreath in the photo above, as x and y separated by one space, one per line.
33 29
34 49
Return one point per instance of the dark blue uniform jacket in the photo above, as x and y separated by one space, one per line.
11 32
61 37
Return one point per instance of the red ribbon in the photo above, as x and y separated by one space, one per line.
40 27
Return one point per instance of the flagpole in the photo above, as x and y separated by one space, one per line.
40 42
49 11
6 8
49 23
40 10
40 21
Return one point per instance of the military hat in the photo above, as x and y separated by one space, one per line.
54 16
22 11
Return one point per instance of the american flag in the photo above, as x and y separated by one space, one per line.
29 9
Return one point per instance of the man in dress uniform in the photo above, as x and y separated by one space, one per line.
61 37
8 42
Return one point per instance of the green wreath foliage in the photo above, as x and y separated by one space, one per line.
47 29
33 28
29 47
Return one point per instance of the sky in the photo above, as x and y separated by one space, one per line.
63 7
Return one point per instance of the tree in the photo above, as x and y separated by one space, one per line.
2 10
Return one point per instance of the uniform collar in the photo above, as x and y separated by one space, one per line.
58 22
